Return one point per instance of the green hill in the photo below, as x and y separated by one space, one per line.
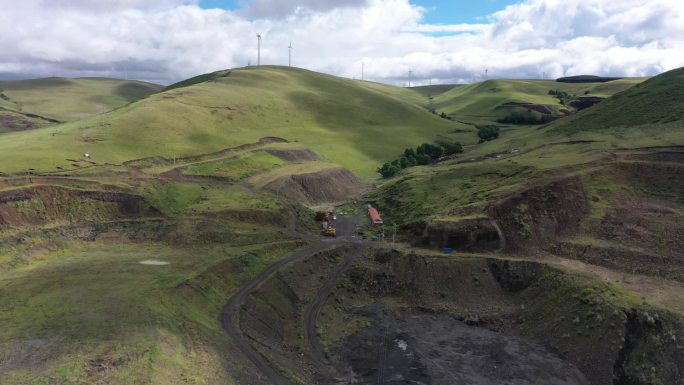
116 267
354 124
628 126
651 104
65 99
493 99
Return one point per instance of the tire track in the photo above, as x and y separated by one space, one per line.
230 313
314 309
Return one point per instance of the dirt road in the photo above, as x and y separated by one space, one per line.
314 309
230 313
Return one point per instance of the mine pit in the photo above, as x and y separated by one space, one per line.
401 318
419 348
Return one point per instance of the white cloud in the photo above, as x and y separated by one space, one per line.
283 8
167 40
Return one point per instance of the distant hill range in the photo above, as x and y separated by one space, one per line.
35 103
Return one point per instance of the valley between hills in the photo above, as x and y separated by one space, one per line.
532 231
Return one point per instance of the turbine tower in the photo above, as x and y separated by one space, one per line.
258 49
289 62
410 73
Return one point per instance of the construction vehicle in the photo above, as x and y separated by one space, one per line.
330 231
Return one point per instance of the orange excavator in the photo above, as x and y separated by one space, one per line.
330 231
328 226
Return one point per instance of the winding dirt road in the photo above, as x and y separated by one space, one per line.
314 308
231 311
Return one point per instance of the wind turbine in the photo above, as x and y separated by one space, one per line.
410 73
290 55
258 49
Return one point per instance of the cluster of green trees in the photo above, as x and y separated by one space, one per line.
488 132
529 117
424 154
586 79
563 97
442 114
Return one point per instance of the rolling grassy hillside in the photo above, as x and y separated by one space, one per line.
114 269
648 114
354 124
652 105
607 180
483 102
71 99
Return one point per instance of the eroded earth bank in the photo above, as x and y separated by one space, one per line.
401 318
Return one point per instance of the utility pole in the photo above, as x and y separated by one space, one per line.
410 73
289 62
258 49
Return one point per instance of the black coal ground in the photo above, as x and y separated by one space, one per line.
439 350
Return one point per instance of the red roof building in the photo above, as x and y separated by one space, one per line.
375 216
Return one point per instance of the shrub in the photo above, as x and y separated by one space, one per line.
563 97
431 150
452 148
422 155
487 133
422 159
388 170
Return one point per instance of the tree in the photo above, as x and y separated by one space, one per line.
487 133
422 159
403 162
434 152
409 153
452 148
388 170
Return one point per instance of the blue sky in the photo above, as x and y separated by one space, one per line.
439 11
460 11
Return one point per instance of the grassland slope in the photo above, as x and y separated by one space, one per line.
603 186
71 99
650 104
354 124
492 99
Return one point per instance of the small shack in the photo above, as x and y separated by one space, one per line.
374 215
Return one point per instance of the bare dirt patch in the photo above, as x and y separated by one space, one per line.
418 348
466 235
40 205
303 155
331 185
542 214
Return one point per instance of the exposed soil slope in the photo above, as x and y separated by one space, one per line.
44 204
331 185
606 336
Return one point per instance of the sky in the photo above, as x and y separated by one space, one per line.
440 41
